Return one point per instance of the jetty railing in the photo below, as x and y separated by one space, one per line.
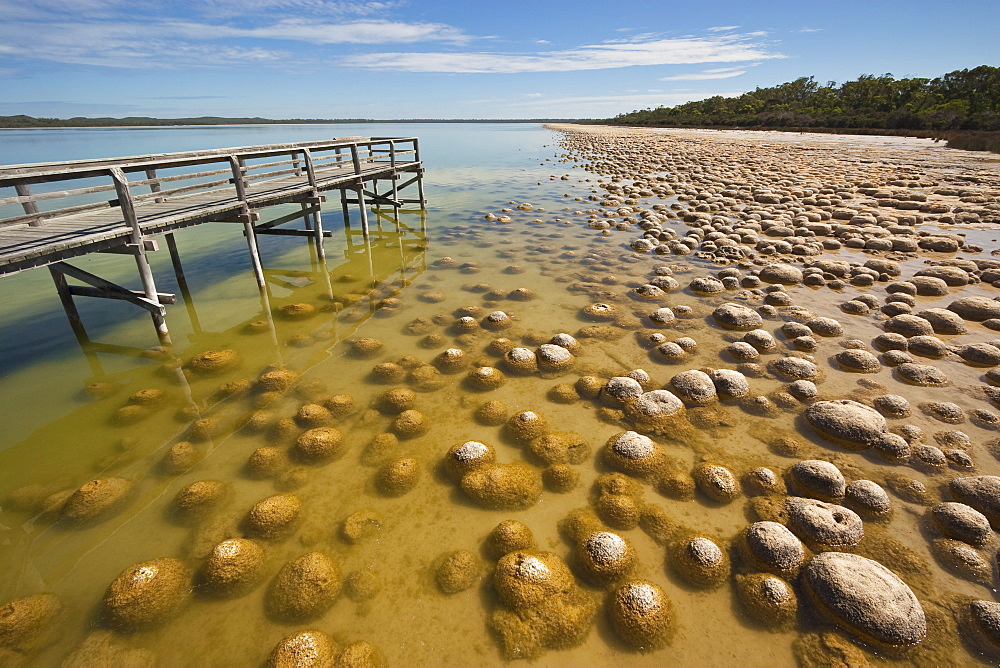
120 205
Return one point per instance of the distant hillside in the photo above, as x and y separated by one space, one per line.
963 100
22 121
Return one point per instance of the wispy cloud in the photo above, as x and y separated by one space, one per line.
722 28
677 51
172 43
705 75
352 32
809 30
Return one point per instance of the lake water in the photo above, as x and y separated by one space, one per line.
64 424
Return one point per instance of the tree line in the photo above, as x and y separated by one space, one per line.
963 100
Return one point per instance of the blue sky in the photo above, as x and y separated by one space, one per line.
444 59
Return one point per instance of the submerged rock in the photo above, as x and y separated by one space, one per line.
846 422
641 615
304 588
305 649
146 595
866 598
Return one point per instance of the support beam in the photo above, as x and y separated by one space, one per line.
142 263
182 284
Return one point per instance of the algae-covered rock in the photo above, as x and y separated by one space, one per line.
467 456
716 482
305 649
398 477
828 650
818 479
526 578
199 499
360 525
700 561
318 445
634 453
864 597
982 492
146 595
822 523
509 536
618 511
561 447
107 648
274 517
492 413
31 623
179 458
961 522
266 461
605 557
543 606
96 501
772 547
656 412
304 588
410 424
503 486
360 654
768 600
846 422
526 425
641 615
234 567
560 478
458 571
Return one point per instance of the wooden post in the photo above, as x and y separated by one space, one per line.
347 219
30 207
316 200
395 176
139 249
258 269
154 187
363 206
420 181
175 260
356 159
75 321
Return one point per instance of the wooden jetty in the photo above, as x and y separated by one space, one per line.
122 205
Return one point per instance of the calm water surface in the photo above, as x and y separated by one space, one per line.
56 435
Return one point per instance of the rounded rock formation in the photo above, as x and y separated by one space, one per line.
146 595
398 477
846 422
305 649
824 524
865 598
304 588
641 615
96 501
233 567
503 486
458 571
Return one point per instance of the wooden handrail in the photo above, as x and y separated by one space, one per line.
317 164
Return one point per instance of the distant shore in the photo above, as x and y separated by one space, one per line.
25 122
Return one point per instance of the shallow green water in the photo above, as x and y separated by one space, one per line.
57 437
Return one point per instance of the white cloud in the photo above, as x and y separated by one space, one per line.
677 51
704 76
722 28
352 32
809 30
